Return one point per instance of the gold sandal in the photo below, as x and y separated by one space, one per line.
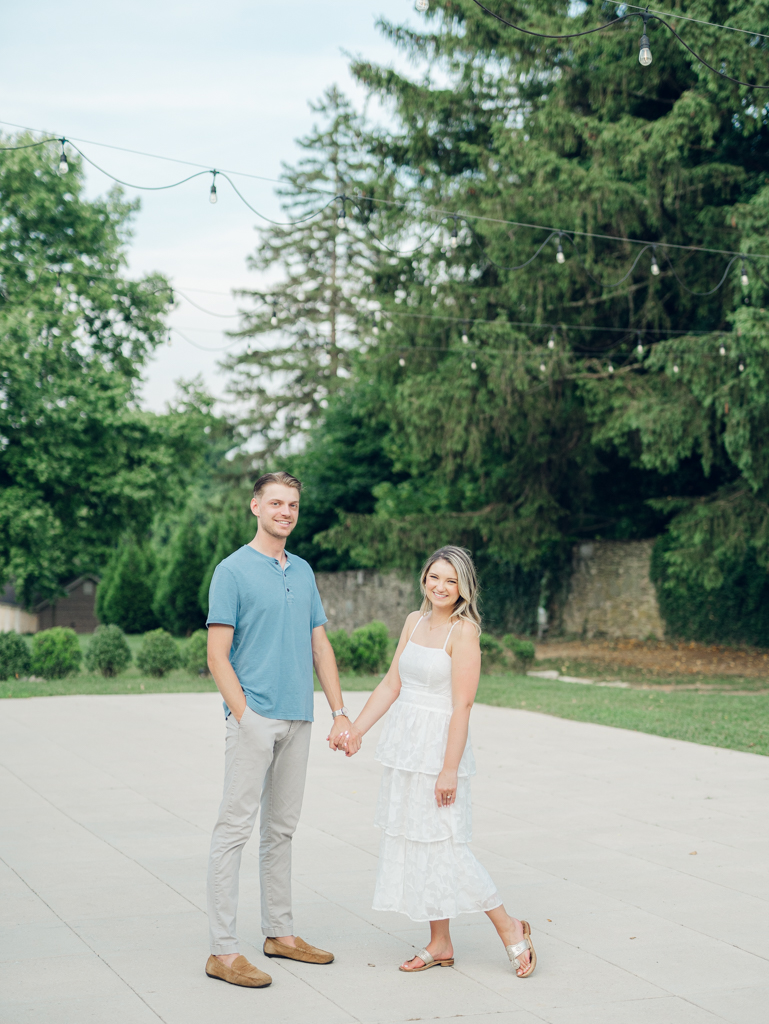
429 961
514 952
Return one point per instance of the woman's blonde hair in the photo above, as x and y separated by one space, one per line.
461 561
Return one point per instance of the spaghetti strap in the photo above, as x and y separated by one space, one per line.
448 635
413 631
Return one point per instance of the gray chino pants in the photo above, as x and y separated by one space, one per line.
265 764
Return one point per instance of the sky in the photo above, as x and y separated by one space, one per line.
225 84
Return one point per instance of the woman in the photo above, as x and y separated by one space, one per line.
426 869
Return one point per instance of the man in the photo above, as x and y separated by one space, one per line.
265 632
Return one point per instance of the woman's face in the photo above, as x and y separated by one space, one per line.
441 584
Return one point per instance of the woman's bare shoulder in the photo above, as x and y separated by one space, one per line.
465 635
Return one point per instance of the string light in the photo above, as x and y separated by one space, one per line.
722 351
473 366
610 368
645 53
542 368
655 269
57 286
454 235
744 276
63 165
675 368
212 197
645 56
741 366
341 221
465 339
401 361
639 348
422 5
551 342
274 317
559 256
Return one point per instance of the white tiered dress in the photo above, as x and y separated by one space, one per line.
426 869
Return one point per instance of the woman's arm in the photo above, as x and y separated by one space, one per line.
465 675
384 695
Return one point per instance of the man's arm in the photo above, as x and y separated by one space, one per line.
328 676
219 643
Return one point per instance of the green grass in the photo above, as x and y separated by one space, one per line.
736 721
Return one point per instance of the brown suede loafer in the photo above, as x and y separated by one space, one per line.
303 951
240 973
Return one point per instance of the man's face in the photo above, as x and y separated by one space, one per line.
277 509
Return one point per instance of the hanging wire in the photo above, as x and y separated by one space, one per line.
684 17
623 17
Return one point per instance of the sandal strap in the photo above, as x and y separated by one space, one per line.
515 951
424 956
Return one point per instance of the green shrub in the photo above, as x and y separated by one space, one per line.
14 656
158 653
340 641
196 653
56 653
492 651
522 650
369 647
365 651
108 651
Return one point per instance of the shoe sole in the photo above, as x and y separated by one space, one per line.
216 977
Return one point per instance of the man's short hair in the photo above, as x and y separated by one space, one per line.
276 478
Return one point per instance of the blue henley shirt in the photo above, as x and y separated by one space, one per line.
274 611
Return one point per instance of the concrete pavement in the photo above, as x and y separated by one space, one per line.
640 862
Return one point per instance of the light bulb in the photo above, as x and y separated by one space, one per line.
542 368
639 349
655 266
63 165
559 256
422 5
341 221
212 193
375 329
741 367
473 366
454 236
645 55
401 361
274 317
551 343
722 351
610 368
465 339
744 276
57 286
675 369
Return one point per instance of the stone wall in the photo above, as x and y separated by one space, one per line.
352 599
610 592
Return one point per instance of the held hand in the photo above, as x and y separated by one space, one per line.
354 741
446 788
340 730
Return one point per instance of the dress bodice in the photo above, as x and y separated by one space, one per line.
425 676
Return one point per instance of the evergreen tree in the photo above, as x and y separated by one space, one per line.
308 322
176 605
505 441
125 595
230 525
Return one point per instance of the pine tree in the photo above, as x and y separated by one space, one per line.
176 604
511 445
125 594
310 321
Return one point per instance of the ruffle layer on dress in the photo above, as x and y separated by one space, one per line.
407 808
415 735
431 881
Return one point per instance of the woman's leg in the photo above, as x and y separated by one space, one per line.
439 946
510 930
